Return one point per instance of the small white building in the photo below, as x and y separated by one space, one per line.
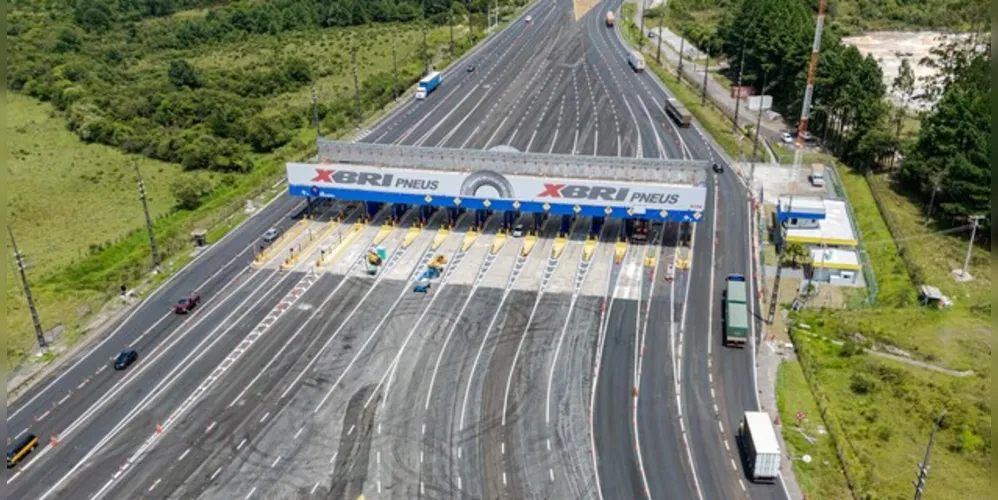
836 266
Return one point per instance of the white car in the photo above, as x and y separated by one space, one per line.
529 19
518 231
787 138
670 272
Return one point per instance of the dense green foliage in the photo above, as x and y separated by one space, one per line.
953 150
123 70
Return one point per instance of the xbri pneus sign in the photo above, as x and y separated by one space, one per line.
491 185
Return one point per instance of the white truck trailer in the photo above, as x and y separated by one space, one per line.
762 449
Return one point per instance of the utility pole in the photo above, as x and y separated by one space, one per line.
356 86
706 70
145 208
801 133
973 233
936 180
758 124
641 15
315 113
738 97
679 67
450 22
426 52
923 468
658 54
39 334
471 28
395 69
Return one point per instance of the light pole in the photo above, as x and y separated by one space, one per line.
738 95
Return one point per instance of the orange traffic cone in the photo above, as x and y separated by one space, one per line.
159 429
55 442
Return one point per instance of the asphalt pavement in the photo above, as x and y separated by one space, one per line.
481 388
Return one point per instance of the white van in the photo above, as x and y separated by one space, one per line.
817 176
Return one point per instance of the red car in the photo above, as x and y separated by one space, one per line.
187 304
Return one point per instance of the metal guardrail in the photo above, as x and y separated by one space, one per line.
687 172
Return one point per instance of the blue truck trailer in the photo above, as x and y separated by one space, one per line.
428 84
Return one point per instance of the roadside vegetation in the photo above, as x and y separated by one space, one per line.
894 165
207 98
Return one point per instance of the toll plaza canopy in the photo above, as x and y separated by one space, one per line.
557 184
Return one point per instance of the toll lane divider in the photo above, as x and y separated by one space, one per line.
314 241
344 242
469 239
410 236
275 247
528 244
383 233
588 248
498 242
619 250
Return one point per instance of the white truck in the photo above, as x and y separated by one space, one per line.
636 60
428 84
762 449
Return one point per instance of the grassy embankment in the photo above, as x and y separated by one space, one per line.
75 208
881 411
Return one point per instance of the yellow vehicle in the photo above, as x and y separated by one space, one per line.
20 449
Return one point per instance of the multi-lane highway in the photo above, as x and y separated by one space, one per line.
522 374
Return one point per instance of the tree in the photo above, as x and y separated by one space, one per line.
795 254
954 145
183 74
190 190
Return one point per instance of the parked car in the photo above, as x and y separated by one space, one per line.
271 235
187 304
652 34
788 138
125 359
518 231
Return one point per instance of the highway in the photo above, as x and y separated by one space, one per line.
517 376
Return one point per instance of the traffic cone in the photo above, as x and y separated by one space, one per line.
159 428
54 441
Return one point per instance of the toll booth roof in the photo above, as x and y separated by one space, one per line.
801 207
834 229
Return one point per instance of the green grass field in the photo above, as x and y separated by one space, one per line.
884 412
882 409
822 476
67 198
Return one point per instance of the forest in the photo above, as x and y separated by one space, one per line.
850 111
121 70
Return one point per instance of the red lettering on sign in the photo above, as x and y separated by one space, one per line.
323 175
552 190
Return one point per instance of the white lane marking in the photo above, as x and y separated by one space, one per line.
21 434
276 460
742 484
531 143
250 493
318 355
265 415
12 478
290 341
504 478
299 432
551 474
210 427
733 466
331 460
608 298
154 485
43 415
352 427
312 492
726 447
503 445
183 455
215 474
63 400
241 443
459 483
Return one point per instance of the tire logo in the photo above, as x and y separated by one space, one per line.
487 178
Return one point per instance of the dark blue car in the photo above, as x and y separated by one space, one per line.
125 359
